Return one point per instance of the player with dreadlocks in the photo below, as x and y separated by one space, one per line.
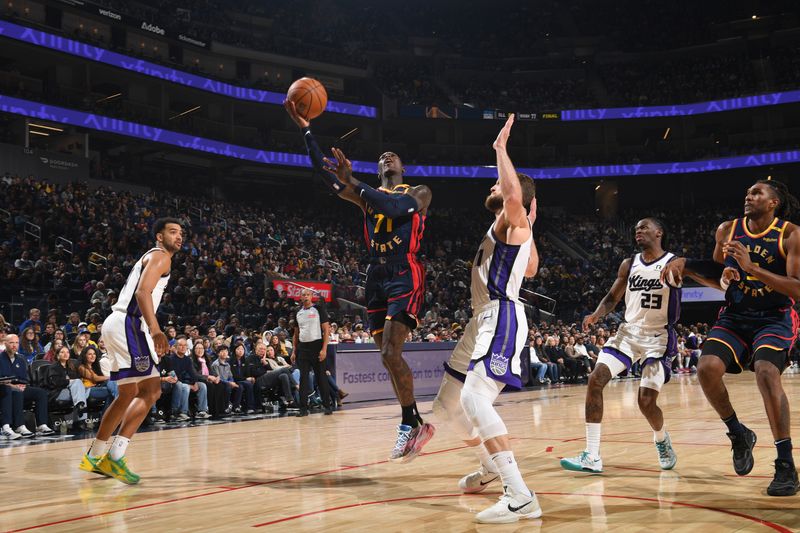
757 262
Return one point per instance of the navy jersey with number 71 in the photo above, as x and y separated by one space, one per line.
386 236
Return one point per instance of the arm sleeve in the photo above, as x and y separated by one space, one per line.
316 156
391 205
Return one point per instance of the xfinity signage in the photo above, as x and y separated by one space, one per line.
148 68
701 294
27 108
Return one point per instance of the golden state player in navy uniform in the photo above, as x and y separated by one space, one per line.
759 255
394 222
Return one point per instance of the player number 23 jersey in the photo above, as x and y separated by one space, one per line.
649 303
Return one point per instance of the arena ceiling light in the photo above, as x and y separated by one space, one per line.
191 110
42 133
109 97
44 127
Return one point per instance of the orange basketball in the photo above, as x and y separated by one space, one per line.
309 97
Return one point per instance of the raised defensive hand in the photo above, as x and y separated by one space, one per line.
505 133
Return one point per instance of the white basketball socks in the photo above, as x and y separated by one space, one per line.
485 458
660 435
98 448
509 472
118 448
593 439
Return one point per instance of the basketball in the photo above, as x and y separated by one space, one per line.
309 96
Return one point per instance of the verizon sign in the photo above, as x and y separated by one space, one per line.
293 288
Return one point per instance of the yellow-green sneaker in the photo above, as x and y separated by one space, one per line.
89 464
117 469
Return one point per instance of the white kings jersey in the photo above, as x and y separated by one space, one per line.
649 303
127 297
498 270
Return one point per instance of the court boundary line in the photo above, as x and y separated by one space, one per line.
767 523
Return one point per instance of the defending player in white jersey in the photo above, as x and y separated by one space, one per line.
134 341
487 358
651 310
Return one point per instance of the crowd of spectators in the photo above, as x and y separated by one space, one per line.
221 297
524 95
681 80
234 251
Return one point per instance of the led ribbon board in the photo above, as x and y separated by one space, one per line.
93 53
106 124
139 66
684 110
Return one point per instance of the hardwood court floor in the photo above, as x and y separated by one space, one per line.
329 473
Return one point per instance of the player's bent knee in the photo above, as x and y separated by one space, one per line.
447 408
647 400
477 398
600 377
710 366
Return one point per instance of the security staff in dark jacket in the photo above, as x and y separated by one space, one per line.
310 341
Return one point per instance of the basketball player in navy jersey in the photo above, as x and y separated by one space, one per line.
758 257
394 221
652 308
134 342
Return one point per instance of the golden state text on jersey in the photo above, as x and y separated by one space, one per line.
386 236
767 251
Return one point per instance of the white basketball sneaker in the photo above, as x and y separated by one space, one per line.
477 481
9 433
511 507
582 463
666 455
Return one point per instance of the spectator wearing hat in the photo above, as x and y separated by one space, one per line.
95 323
221 368
81 341
97 307
333 337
